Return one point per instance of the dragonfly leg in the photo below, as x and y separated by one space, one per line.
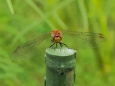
56 45
52 45
63 44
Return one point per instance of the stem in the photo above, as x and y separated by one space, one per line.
60 67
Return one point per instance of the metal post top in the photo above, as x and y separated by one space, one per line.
60 51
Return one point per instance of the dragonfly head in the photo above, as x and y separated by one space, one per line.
56 33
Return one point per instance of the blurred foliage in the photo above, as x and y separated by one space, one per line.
23 20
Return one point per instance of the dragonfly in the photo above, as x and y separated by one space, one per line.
76 39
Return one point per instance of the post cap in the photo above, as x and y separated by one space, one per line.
60 51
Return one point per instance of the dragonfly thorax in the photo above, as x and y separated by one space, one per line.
57 39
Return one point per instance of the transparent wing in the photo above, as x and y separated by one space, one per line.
75 40
82 40
25 50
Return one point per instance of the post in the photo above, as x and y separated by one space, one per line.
60 67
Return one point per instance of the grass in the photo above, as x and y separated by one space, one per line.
21 21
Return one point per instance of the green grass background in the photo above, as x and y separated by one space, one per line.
23 20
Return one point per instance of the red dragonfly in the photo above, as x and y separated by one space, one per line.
76 39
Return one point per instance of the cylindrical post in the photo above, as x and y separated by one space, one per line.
60 67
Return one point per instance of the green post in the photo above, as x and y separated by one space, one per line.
60 67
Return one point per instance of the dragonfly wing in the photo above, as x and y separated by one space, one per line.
24 50
86 39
